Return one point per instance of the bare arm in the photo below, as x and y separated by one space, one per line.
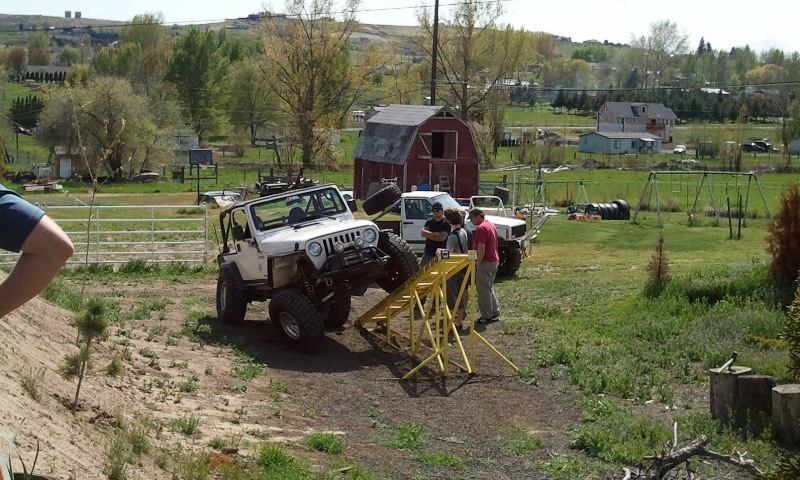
44 252
481 250
436 237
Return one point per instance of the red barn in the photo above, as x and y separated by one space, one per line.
419 145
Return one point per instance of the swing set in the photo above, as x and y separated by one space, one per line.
703 179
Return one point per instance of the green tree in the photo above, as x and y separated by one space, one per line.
250 97
107 118
566 72
474 52
39 49
69 56
147 65
308 65
16 60
198 71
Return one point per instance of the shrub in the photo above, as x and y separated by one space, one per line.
782 242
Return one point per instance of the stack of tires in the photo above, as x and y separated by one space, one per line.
616 210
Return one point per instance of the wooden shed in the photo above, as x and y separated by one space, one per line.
421 146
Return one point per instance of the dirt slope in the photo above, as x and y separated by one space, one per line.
351 387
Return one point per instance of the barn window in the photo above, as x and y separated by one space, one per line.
437 144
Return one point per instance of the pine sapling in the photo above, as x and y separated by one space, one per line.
91 325
657 270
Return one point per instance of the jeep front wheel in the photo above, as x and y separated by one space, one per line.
294 317
231 301
402 264
510 260
337 313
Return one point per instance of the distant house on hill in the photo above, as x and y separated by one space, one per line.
619 143
634 117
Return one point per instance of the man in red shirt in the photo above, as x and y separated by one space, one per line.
488 259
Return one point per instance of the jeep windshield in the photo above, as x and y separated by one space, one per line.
297 207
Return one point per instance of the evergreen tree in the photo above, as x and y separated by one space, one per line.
701 49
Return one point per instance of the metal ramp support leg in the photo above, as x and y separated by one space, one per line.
429 326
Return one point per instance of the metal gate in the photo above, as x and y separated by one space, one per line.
119 234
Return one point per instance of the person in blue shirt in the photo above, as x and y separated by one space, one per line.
44 245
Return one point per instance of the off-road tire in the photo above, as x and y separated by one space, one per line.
381 199
402 264
510 260
296 319
231 300
337 313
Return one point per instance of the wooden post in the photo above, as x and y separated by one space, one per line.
786 412
723 390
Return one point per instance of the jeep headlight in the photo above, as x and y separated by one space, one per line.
370 235
314 249
338 247
359 242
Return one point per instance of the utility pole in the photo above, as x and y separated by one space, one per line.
435 52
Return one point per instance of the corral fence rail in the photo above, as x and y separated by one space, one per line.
155 234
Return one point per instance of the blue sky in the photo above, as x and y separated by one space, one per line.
723 23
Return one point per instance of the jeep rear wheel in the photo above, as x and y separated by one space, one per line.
231 301
510 260
402 264
381 199
337 313
294 317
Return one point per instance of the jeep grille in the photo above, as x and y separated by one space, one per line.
518 231
343 238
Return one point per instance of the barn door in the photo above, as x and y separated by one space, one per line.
444 175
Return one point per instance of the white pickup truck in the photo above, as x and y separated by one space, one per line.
415 209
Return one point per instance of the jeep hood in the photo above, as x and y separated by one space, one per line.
294 238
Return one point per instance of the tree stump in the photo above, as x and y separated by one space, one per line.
786 412
754 394
724 389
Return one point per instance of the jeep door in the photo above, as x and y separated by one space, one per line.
247 254
416 212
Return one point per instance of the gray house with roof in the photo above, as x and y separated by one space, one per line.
619 143
634 117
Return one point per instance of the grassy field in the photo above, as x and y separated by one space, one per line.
577 313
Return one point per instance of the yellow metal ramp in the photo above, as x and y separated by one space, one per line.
421 306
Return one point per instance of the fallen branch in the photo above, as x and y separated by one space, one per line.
664 463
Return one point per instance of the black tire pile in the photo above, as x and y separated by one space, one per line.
616 210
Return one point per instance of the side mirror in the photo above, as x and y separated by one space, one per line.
352 205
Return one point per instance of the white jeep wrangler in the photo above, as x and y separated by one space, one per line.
304 250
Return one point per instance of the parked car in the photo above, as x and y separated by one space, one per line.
763 144
679 149
752 148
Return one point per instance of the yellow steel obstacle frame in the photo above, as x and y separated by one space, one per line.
431 282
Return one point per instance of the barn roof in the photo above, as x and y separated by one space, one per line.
388 135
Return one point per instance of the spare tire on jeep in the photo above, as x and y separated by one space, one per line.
381 199
402 264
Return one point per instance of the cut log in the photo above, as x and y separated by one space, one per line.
786 412
723 386
754 395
